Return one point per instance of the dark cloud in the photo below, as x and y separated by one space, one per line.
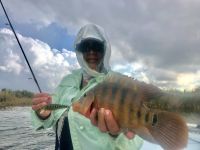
163 35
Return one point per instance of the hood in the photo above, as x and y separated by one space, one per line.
92 31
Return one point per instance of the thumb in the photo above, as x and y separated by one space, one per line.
129 134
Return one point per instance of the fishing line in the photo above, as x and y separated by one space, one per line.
10 24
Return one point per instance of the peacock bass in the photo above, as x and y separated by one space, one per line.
139 107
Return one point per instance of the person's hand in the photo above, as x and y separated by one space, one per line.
40 100
105 121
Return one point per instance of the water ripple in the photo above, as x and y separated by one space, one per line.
18 134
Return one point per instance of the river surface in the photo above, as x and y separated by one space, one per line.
16 133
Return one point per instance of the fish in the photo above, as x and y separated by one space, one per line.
143 108
127 99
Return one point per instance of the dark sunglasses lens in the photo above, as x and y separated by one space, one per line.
94 45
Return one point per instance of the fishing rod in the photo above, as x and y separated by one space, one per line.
10 24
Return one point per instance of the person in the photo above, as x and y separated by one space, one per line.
99 131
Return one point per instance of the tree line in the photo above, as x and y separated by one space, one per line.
9 97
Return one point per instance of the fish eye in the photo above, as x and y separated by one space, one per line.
85 95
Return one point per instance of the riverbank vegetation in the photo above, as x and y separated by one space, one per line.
10 98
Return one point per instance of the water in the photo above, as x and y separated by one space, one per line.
16 133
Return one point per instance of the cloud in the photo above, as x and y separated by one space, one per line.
161 36
188 80
11 62
49 65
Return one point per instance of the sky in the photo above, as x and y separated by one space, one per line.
155 41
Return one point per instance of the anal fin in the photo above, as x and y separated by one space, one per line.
145 134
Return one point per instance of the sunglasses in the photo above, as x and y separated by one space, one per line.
91 45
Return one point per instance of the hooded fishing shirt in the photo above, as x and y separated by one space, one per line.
84 135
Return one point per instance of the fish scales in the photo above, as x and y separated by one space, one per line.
117 95
127 102
103 94
132 106
118 101
104 90
107 98
135 103
138 111
124 100
121 101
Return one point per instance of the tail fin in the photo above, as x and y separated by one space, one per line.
169 130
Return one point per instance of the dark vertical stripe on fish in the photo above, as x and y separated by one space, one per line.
102 93
147 117
114 90
124 93
132 110
138 114
122 103
117 106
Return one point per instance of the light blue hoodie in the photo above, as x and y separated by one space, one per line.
84 135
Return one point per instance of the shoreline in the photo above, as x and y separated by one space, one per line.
9 98
11 108
17 103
